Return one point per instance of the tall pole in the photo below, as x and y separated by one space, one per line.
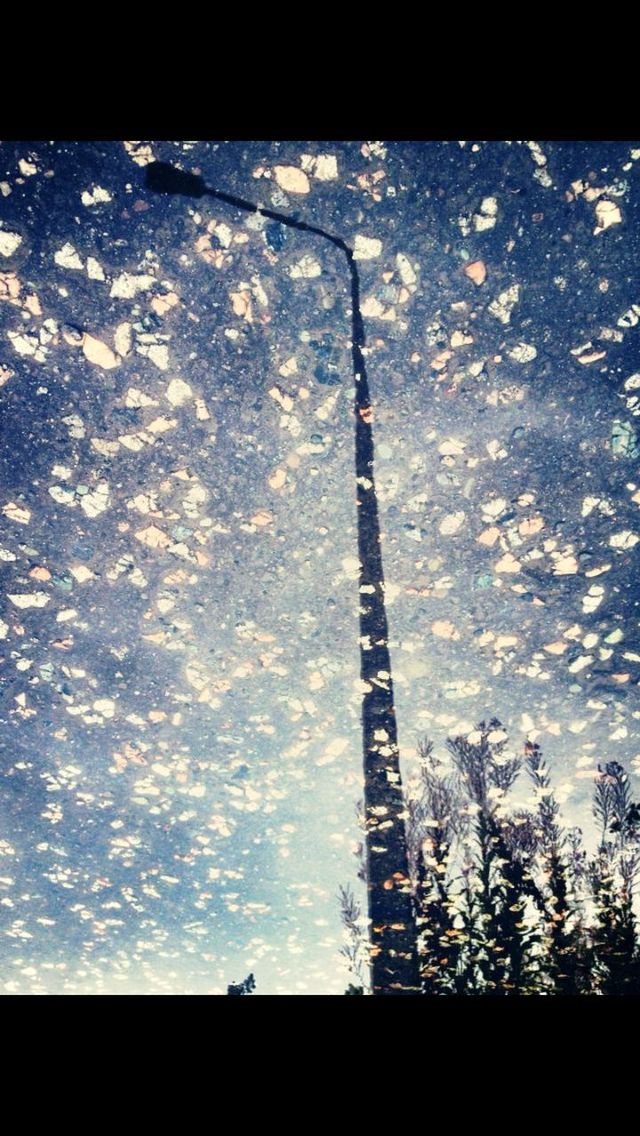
394 963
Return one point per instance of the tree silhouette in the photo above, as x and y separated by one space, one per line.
566 948
613 872
247 986
509 902
435 820
501 938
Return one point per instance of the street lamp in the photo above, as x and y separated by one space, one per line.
394 962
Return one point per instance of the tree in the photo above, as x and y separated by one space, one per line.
508 900
436 819
501 937
247 986
568 957
356 949
613 872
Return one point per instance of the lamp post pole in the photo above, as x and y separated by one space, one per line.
394 962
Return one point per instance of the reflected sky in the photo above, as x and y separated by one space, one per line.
181 712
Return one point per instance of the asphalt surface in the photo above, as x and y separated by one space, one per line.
181 706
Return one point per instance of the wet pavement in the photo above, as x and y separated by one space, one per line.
178 531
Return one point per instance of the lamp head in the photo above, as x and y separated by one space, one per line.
164 178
